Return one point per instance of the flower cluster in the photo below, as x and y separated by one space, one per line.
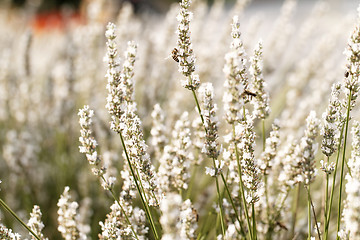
88 146
307 148
332 120
188 219
115 100
179 219
351 210
185 52
8 234
68 217
251 170
136 149
271 149
127 72
236 76
352 53
158 129
116 226
210 121
35 223
261 103
175 162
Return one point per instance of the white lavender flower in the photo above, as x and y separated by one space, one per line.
236 77
332 120
185 52
188 220
68 217
175 162
88 146
120 83
35 223
178 219
271 147
326 167
261 103
127 72
352 53
290 170
351 210
250 168
210 121
8 234
137 152
116 226
305 152
158 130
116 89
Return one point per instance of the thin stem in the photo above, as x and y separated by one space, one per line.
327 221
326 207
217 183
343 162
242 187
254 221
148 213
294 211
220 205
314 213
7 208
233 205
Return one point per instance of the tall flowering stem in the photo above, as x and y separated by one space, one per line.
211 138
331 136
88 147
234 103
187 68
306 154
352 86
120 105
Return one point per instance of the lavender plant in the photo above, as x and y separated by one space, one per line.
235 157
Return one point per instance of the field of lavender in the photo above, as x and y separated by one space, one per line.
208 122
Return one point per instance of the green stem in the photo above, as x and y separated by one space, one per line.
242 187
254 221
148 213
220 205
327 221
343 162
217 181
233 205
314 213
294 211
7 208
326 207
